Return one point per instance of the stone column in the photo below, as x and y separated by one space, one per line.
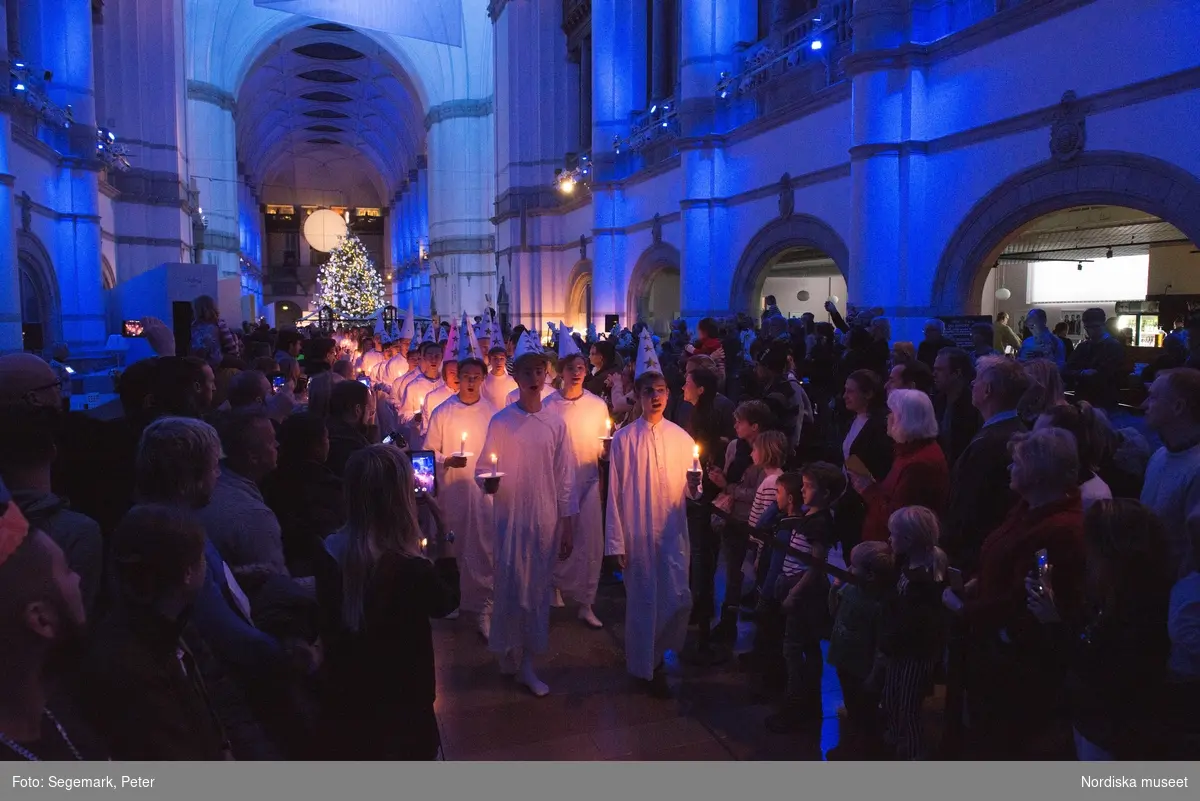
143 101
708 36
618 89
212 137
10 278
886 175
66 51
461 187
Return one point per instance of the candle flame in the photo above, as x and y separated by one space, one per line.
493 458
695 451
424 542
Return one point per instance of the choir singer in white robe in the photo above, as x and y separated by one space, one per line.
649 484
467 511
578 577
498 383
533 511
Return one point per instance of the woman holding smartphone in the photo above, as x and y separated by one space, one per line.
1115 656
380 591
1013 686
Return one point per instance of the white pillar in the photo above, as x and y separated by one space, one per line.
460 191
212 136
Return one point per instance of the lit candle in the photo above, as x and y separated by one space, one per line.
463 448
695 458
608 428
424 542
495 464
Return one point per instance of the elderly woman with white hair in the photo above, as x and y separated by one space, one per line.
919 475
1011 678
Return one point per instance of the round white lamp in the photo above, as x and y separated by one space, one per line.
1003 293
323 229
834 299
802 295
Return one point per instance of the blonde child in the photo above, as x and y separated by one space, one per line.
911 636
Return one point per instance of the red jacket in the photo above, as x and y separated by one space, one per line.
1008 555
707 347
919 477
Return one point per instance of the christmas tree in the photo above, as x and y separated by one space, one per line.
348 283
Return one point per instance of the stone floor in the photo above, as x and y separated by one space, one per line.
594 712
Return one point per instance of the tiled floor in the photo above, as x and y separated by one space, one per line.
594 712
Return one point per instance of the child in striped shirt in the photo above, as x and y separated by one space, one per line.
805 498
768 452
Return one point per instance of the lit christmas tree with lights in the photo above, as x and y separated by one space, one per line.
348 283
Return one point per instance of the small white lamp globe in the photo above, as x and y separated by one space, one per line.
834 299
323 229
1003 293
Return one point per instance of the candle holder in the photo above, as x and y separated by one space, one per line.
491 482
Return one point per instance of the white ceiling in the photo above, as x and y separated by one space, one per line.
327 117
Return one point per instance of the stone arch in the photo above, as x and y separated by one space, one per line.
1101 178
655 259
35 264
797 230
578 284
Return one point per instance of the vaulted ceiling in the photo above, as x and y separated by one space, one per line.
327 117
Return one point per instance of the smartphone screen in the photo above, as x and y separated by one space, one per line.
366 382
424 472
278 382
132 328
70 370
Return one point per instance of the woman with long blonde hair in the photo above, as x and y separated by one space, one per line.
380 592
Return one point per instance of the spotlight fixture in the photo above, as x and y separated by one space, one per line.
1109 253
48 76
817 44
1079 266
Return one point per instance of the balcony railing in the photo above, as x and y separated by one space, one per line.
800 60
652 139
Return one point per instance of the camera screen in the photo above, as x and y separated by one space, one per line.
425 472
132 328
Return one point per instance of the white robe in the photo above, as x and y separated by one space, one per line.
496 389
578 577
401 384
414 396
515 395
465 507
394 368
436 397
647 523
370 360
535 492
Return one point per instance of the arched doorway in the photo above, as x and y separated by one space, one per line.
655 295
1141 270
799 259
579 308
1114 179
287 313
40 321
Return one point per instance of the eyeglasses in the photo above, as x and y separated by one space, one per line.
30 397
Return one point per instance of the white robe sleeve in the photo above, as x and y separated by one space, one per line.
564 468
614 533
